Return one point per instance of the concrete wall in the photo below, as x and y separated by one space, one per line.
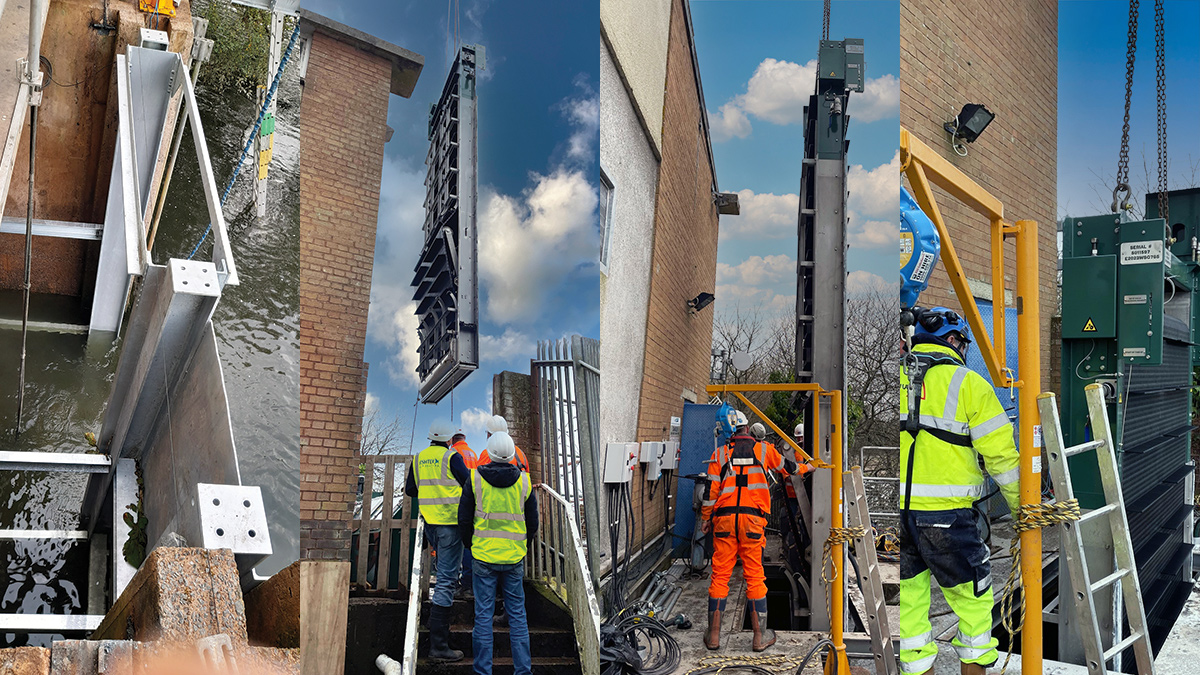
683 264
636 32
628 160
342 133
1009 62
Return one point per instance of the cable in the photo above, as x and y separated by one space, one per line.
254 133
659 649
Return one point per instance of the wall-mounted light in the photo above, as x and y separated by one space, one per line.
700 302
968 125
727 203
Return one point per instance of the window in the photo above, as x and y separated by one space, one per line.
606 208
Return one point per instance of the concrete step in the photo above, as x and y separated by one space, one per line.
548 642
501 666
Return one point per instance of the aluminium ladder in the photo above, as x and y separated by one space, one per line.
1125 573
868 576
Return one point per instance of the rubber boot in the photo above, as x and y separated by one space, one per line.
712 637
439 635
763 637
973 669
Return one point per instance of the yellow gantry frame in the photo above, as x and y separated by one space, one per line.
837 661
923 167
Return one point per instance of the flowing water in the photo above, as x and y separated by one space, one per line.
69 377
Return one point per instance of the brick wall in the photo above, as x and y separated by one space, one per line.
341 160
512 399
683 264
1007 59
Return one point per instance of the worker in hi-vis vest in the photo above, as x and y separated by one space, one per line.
735 508
957 419
497 517
435 479
459 443
495 425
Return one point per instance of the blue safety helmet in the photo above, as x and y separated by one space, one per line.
940 322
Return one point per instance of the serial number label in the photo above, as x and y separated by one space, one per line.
1136 299
1141 252
1133 351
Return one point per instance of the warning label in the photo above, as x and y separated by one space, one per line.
924 266
1141 252
1089 327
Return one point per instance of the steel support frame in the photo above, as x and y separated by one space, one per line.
925 168
829 446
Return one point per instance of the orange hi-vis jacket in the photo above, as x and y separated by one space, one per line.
468 455
737 478
519 459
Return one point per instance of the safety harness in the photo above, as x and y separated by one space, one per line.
741 480
918 366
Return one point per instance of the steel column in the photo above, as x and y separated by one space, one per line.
1029 362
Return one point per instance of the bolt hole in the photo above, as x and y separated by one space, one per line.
220 532
216 502
246 503
207 285
185 283
251 533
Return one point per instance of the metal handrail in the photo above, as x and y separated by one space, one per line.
558 559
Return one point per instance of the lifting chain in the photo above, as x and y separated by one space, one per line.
1160 80
1118 202
1033 517
825 23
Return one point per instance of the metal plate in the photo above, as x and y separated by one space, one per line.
232 517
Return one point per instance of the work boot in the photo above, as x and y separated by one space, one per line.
763 637
973 669
712 637
439 635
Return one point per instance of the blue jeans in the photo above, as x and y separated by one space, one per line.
446 541
506 579
466 568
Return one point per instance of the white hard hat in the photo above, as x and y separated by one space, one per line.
799 430
442 430
758 431
738 419
497 424
500 447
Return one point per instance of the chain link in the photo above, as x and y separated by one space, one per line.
825 23
1160 72
1123 161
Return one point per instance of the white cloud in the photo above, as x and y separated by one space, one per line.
861 281
875 234
529 244
729 122
474 421
880 100
371 404
392 322
758 271
511 345
875 193
778 91
764 216
583 112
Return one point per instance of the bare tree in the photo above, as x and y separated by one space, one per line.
384 436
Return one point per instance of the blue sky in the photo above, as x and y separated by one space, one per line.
755 66
539 241
1091 99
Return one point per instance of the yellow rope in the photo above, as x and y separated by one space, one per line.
776 663
1032 517
888 540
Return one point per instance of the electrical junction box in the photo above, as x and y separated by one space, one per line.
619 460
154 39
670 458
1142 262
651 450
654 467
1089 307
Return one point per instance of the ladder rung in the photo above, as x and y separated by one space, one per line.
1109 579
1102 511
1122 645
1084 447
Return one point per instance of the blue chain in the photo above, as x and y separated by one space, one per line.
254 134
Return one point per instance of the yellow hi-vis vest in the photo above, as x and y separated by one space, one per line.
438 493
499 536
961 420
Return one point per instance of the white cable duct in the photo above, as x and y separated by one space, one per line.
387 665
